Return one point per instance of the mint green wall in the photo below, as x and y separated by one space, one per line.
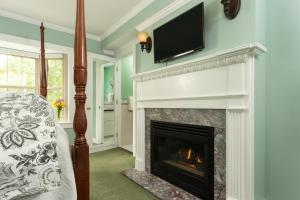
260 105
109 76
283 97
220 33
26 30
126 73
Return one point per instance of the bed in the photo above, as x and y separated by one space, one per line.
68 187
73 161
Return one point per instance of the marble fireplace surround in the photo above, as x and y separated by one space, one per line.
224 80
213 118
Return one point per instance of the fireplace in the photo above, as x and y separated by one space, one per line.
183 154
216 90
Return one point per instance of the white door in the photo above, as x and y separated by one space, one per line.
99 136
89 101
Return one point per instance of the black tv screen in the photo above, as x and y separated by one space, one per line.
180 36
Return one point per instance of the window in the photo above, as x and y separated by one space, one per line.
17 74
57 81
21 74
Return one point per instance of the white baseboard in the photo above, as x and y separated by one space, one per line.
102 147
127 147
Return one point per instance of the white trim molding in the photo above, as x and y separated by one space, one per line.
108 52
161 14
133 12
219 59
223 80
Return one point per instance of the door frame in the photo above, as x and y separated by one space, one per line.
118 102
99 127
91 128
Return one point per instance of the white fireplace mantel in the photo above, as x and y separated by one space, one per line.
224 80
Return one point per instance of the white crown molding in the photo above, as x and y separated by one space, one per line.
30 20
108 52
224 58
161 14
134 11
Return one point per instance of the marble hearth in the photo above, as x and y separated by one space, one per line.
212 118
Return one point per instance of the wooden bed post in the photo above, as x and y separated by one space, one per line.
43 70
80 147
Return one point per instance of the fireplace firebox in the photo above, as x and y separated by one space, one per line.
183 155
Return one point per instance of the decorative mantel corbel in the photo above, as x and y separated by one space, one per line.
231 8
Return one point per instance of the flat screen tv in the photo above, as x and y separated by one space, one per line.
180 36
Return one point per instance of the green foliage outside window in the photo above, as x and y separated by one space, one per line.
55 80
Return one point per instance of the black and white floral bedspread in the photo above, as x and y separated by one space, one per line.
28 157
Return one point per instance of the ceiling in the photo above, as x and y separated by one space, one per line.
100 14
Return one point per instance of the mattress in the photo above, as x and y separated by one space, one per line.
67 191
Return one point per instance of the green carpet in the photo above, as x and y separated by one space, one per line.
106 181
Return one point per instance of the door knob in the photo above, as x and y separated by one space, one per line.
88 108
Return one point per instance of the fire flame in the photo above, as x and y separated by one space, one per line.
192 159
199 160
189 155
